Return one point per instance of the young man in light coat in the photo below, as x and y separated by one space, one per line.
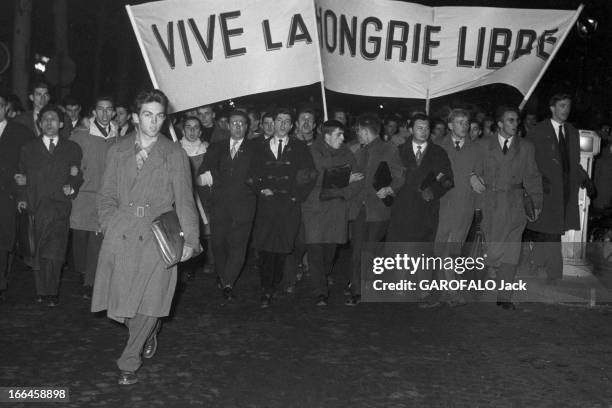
146 174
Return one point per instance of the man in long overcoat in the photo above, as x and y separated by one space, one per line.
86 234
12 137
458 204
368 214
414 214
146 174
325 211
557 154
507 171
233 201
51 166
283 175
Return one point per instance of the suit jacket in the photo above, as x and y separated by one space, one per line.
368 159
556 217
46 175
12 140
232 197
412 218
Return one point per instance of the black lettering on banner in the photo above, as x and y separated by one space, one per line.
270 46
428 44
392 42
371 39
416 43
461 61
482 31
495 48
168 50
522 47
226 33
319 25
184 43
348 35
298 25
205 47
334 23
546 37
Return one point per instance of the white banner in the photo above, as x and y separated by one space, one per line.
406 50
204 51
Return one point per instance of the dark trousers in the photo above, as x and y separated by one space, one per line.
86 247
229 244
320 262
140 327
47 278
547 253
505 272
271 272
294 259
362 233
4 268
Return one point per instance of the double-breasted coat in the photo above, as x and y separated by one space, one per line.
46 174
503 212
327 221
12 140
557 216
278 217
131 277
412 218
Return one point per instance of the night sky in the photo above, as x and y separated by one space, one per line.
582 66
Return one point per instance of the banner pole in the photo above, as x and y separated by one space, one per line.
550 59
318 45
143 51
324 99
427 101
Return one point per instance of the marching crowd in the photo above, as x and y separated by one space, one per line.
276 187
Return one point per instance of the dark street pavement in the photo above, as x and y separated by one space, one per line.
294 354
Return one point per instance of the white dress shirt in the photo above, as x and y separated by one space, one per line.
3 126
501 140
415 148
274 144
556 126
47 140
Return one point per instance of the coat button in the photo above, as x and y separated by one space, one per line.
140 238
124 237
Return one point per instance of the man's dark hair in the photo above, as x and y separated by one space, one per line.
501 111
50 108
240 113
418 116
283 111
437 121
337 109
151 95
16 102
267 115
558 97
458 112
369 121
123 104
392 118
255 112
306 109
331 125
107 98
38 84
195 118
70 100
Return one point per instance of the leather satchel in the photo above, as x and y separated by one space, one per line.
382 178
336 177
26 238
169 237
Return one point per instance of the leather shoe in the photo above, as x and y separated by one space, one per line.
321 300
506 305
228 293
39 299
150 346
127 378
52 301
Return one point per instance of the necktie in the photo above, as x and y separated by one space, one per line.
505 148
419 155
457 145
233 149
101 129
51 145
279 152
563 150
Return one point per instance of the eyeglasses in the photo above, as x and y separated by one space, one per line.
237 123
